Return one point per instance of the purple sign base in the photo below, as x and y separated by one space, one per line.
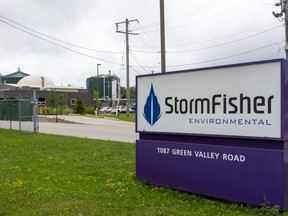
247 175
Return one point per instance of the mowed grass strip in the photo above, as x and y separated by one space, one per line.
56 175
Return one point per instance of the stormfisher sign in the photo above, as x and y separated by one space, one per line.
242 101
229 123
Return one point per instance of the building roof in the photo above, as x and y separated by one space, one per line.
18 74
36 81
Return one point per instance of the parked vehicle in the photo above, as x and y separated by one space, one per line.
105 110
124 110
115 108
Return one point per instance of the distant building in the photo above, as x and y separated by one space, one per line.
13 78
108 86
11 89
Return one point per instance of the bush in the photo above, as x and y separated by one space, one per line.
43 110
89 110
67 110
79 107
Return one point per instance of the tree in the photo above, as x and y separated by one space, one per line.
52 98
97 102
79 106
132 92
123 92
55 100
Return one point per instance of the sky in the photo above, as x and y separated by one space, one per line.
64 40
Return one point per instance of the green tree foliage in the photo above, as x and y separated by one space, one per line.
79 106
96 99
132 92
124 92
52 98
56 101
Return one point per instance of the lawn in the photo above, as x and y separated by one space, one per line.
121 116
56 175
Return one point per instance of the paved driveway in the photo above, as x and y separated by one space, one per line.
89 127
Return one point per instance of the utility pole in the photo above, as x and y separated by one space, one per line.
283 4
162 36
127 33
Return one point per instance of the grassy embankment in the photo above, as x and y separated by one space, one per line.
56 175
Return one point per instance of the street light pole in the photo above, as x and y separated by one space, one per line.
98 69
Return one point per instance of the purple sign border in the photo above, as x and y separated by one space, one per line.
284 94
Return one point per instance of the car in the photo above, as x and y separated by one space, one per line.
133 107
116 109
105 110
124 110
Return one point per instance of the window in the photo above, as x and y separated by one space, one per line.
41 101
73 101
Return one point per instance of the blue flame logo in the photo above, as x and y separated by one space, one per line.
152 110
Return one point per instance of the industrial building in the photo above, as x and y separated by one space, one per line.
108 86
20 85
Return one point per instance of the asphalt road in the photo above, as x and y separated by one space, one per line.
87 127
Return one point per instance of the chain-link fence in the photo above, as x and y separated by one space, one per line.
19 115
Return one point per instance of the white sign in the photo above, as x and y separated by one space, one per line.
232 101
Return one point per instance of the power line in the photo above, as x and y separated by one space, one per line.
216 39
227 43
67 43
225 37
214 46
138 62
203 8
231 56
209 17
199 20
192 12
218 59
59 45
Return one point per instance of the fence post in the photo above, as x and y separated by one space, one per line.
35 118
19 107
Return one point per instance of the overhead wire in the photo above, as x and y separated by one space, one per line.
138 62
203 19
196 10
213 46
200 9
143 54
56 44
227 43
230 56
209 17
67 43
225 37
217 39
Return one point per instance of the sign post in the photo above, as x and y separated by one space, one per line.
221 131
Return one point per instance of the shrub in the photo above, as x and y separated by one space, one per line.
43 110
89 110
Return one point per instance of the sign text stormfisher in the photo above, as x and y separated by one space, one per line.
241 104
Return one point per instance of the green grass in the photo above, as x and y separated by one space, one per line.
121 117
56 175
